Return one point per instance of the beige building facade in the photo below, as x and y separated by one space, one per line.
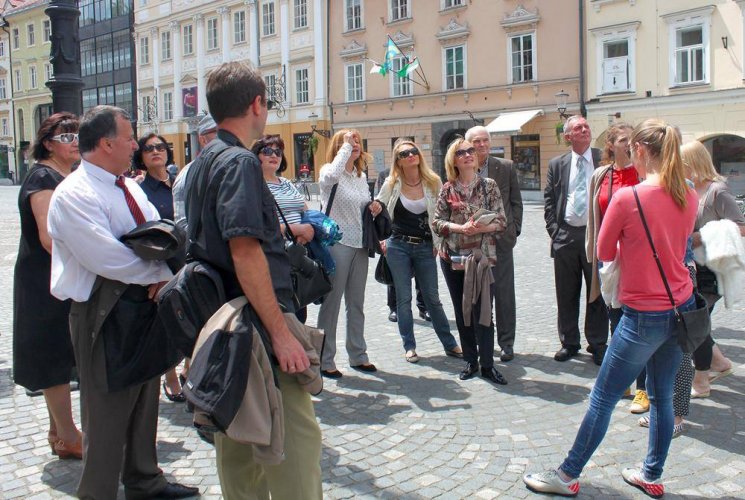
179 41
680 61
497 63
29 43
7 142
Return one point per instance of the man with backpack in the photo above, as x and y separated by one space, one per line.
236 231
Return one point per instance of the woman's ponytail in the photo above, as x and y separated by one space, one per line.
672 173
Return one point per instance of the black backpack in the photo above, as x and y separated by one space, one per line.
187 301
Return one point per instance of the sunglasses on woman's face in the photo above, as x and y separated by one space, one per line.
160 147
460 153
408 152
269 151
67 138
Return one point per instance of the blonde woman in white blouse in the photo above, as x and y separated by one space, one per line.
345 159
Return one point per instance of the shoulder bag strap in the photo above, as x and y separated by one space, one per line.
654 250
288 231
331 199
201 192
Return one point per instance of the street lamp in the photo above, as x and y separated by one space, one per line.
64 55
313 119
561 103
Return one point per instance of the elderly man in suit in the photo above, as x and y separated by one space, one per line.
502 171
567 200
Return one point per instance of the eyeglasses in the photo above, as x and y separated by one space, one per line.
67 138
408 152
460 153
269 151
160 147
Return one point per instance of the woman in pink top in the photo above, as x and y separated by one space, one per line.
646 335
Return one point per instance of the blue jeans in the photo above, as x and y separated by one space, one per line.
407 260
642 339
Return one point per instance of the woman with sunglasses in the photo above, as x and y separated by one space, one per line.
154 155
43 358
270 151
411 192
346 159
470 237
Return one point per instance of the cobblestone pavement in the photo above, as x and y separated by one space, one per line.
414 430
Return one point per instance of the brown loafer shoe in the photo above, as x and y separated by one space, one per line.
366 367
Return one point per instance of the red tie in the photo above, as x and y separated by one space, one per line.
134 208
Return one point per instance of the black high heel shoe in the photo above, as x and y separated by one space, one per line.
176 398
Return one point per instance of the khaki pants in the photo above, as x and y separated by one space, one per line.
298 477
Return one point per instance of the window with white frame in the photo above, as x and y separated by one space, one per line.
168 105
147 110
3 93
270 81
239 26
144 50
449 4
267 18
522 58
16 39
32 77
401 85
18 80
615 58
353 14
31 35
47 28
689 46
302 95
689 55
165 45
455 67
301 14
188 39
399 10
5 127
355 82
212 41
48 71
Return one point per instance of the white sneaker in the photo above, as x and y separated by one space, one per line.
634 477
551 482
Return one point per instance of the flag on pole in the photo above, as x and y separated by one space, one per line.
391 51
377 68
408 68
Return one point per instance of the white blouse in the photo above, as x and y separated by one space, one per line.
352 196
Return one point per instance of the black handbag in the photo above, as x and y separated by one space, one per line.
383 272
693 326
310 280
706 280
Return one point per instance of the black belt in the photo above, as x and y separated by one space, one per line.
414 240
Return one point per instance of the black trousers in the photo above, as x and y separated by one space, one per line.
477 341
570 267
419 299
504 298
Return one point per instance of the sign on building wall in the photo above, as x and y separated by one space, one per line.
190 101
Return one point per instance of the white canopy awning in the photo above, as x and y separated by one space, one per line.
511 123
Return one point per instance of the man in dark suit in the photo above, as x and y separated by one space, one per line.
567 202
504 174
392 314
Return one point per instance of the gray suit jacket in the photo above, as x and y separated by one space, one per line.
505 175
555 193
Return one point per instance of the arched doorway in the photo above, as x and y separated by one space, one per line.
438 155
728 154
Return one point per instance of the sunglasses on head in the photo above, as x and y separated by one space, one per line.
67 138
408 152
154 147
269 151
460 153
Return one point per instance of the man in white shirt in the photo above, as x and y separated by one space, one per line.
567 202
110 287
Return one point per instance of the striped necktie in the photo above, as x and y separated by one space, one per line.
134 208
